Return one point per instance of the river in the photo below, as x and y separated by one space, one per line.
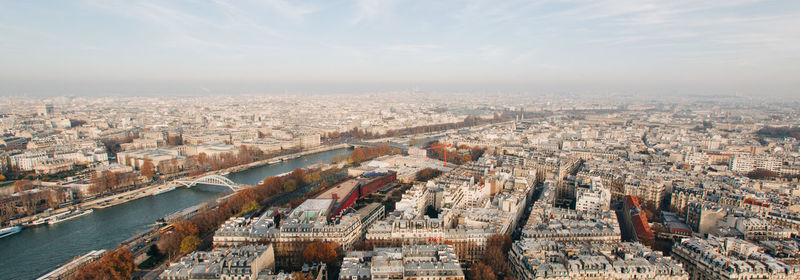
36 251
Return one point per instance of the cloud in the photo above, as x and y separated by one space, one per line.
290 10
525 57
369 10
217 25
414 48
491 51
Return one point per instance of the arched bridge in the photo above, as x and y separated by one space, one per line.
360 144
214 180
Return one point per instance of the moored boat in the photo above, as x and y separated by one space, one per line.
10 231
164 190
70 216
39 221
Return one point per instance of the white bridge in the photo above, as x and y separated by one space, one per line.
214 180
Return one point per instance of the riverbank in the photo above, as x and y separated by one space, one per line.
128 196
98 203
243 167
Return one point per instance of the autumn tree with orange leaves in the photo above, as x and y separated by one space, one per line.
148 169
481 271
115 265
362 154
494 264
172 243
321 252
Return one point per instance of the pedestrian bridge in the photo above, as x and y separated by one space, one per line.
214 180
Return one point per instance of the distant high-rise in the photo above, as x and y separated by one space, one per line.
44 110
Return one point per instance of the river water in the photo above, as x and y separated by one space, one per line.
36 251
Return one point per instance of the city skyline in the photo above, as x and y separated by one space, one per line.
103 48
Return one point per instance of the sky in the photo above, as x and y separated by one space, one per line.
108 47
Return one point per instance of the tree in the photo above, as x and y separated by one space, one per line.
148 169
502 241
111 179
361 154
299 175
271 186
113 145
115 265
323 185
173 243
170 244
202 159
119 264
496 255
168 167
249 207
290 185
760 173
481 271
185 228
496 258
190 244
321 252
106 181
428 173
779 132
153 251
22 185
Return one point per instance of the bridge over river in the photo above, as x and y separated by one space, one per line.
213 180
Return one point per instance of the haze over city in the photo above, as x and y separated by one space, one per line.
101 48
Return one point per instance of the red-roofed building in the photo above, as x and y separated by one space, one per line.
756 206
346 193
636 221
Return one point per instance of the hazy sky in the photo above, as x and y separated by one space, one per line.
162 46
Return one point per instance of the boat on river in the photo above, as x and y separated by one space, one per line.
39 221
164 190
10 231
69 216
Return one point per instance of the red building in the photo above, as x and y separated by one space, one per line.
636 220
346 193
